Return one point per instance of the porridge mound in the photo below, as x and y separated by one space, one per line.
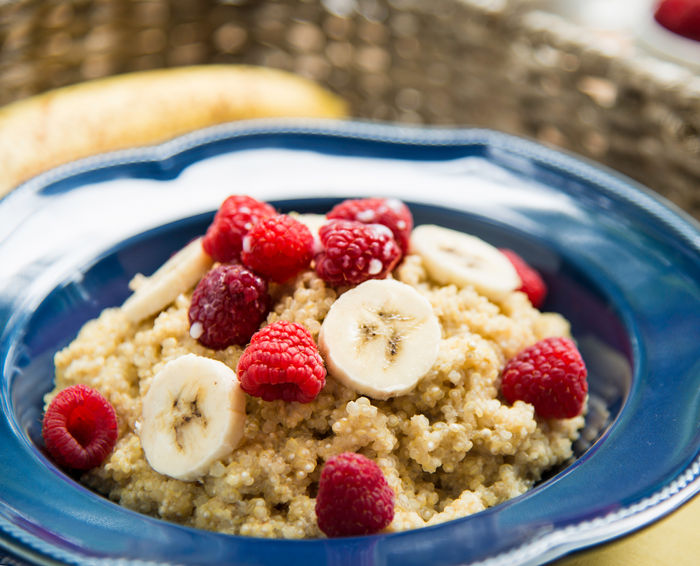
448 448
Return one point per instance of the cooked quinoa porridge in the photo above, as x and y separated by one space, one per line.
448 446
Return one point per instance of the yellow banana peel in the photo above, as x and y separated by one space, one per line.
144 108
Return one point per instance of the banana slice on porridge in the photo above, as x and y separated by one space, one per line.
463 259
380 338
177 275
193 414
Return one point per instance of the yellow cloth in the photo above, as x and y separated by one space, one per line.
674 540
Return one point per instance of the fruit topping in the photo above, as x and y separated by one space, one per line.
532 283
354 497
177 275
282 362
193 414
278 247
234 219
314 222
380 338
461 259
390 212
354 252
551 375
227 306
79 428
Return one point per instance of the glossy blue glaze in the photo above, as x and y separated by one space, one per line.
621 265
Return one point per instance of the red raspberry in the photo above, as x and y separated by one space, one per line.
391 212
79 428
236 216
532 284
354 497
282 362
680 16
551 375
227 306
278 247
355 252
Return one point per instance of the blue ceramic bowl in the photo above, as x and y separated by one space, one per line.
621 265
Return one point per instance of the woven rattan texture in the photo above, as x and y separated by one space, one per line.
492 63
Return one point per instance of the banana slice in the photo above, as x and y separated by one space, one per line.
380 338
192 415
462 259
177 275
313 222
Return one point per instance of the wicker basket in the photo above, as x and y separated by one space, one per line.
504 64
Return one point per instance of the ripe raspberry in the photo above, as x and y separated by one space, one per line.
551 375
278 247
354 497
532 284
282 362
391 212
227 306
355 252
79 428
680 16
236 216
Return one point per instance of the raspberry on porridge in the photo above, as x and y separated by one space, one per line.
282 362
353 497
392 213
227 306
80 428
278 247
353 252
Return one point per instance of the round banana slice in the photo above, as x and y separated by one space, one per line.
462 259
380 338
177 275
313 222
192 415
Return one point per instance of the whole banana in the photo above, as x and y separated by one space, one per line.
146 107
